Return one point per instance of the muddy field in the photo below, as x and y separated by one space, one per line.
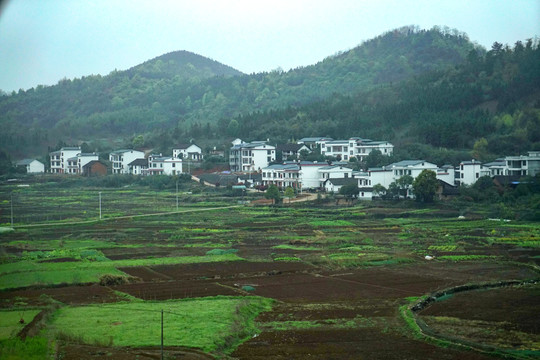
330 303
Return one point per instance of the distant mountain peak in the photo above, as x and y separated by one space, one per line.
184 64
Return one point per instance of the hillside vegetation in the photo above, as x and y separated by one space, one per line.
416 88
188 92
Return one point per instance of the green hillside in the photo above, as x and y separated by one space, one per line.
489 104
186 95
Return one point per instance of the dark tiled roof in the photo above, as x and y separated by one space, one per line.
139 162
289 147
342 181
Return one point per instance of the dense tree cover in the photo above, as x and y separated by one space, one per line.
273 193
490 103
425 186
183 96
521 202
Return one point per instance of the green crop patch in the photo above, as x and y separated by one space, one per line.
210 324
330 223
10 321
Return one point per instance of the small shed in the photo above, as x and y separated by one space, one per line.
94 168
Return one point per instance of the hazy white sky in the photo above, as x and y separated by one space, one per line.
42 41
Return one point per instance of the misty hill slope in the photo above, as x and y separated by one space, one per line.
184 91
183 64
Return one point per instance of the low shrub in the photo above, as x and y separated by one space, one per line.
111 279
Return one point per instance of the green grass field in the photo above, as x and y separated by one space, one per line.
211 324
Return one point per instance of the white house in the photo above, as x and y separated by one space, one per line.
497 167
138 167
314 142
162 165
333 172
388 174
85 158
335 184
354 147
524 164
120 160
291 151
250 157
32 166
447 174
59 160
187 151
282 175
469 172
336 148
309 174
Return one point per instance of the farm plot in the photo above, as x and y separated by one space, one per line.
338 275
504 321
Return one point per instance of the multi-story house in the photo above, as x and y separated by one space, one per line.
138 167
336 148
388 174
187 152
250 157
309 174
360 148
282 175
354 147
314 142
291 151
333 172
59 160
469 172
523 164
163 165
120 160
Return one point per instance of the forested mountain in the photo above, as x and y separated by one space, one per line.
429 89
489 104
186 95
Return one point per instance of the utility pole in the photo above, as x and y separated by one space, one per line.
161 334
100 205
11 202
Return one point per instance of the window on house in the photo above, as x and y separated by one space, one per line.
346 175
477 175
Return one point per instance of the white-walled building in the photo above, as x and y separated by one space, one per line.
250 157
32 166
282 175
291 151
388 174
524 164
354 147
333 172
138 167
59 160
85 158
497 167
187 152
336 148
120 160
469 172
309 174
314 142
447 174
163 165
